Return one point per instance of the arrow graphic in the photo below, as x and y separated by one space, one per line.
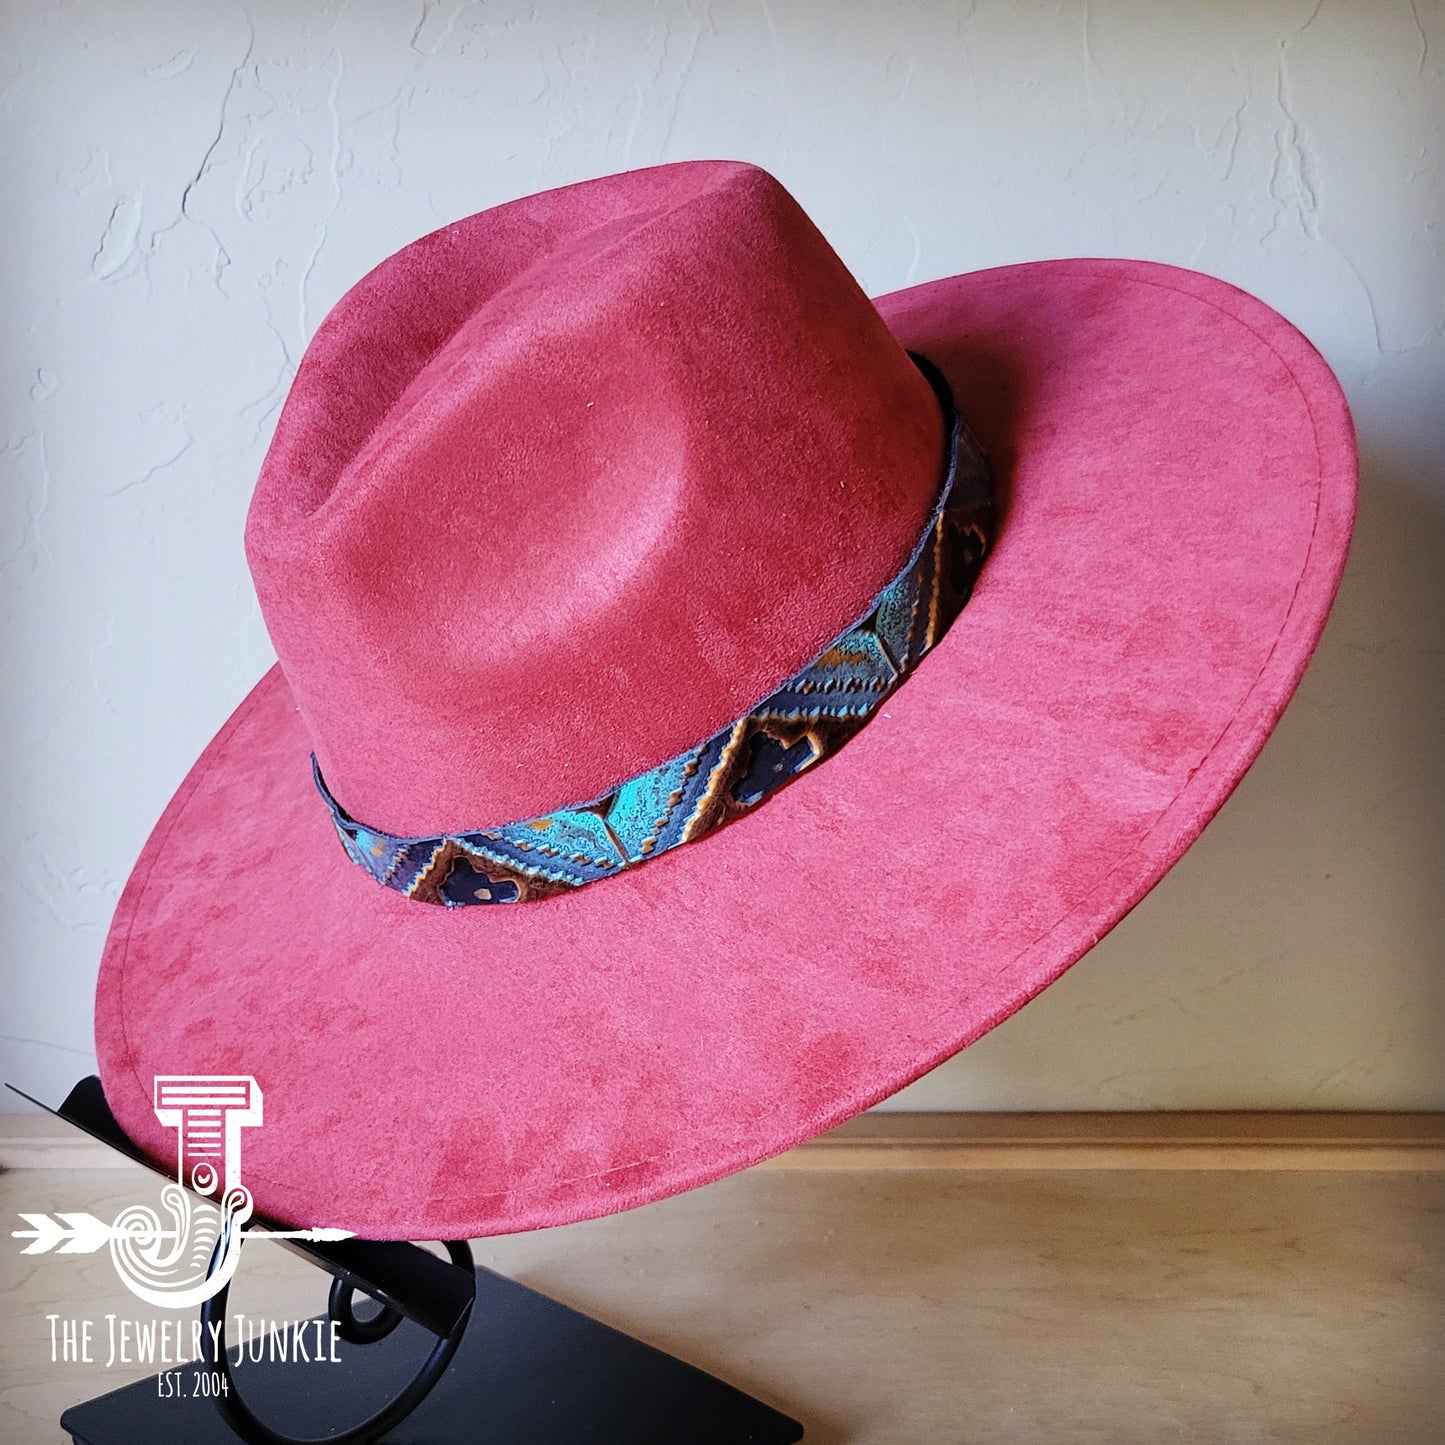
74 1233
319 1236
84 1234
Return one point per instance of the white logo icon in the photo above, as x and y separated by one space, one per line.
196 1257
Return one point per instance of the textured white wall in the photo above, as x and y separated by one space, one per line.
187 186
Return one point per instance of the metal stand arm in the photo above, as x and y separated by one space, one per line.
244 1421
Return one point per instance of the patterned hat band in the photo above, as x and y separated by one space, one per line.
805 721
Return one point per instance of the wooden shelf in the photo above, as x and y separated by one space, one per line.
897 1140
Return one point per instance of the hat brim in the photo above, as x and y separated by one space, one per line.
1178 471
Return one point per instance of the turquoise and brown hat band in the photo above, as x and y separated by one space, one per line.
737 769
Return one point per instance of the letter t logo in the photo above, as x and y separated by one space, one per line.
209 1111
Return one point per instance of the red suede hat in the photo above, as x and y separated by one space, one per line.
589 521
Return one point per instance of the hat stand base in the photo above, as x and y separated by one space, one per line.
525 1368
528 1370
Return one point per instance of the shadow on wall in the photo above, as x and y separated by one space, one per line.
1320 877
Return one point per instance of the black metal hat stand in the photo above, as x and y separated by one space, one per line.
446 1354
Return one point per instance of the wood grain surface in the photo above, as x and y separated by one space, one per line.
931 1306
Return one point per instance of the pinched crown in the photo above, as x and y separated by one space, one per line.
565 487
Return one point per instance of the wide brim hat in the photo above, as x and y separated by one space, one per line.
1175 473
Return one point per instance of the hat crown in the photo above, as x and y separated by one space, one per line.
563 488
